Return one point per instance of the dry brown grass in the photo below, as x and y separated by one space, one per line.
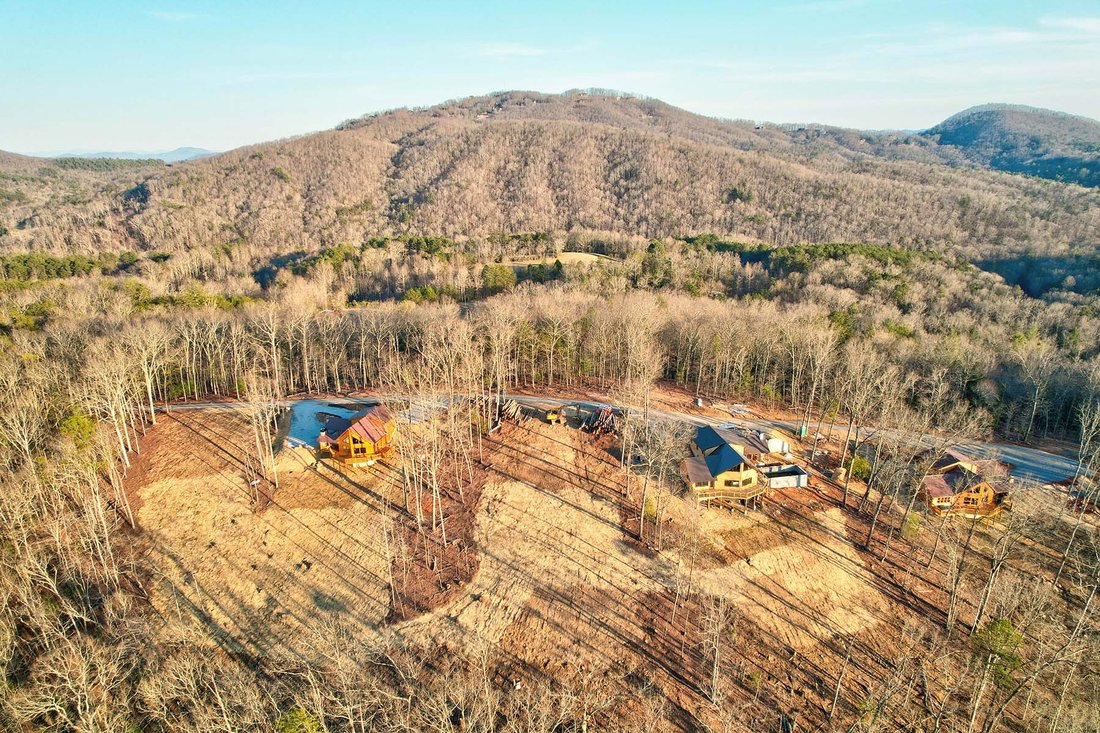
562 589
263 580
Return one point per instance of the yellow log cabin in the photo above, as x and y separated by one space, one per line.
359 440
961 485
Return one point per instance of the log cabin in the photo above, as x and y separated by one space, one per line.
359 440
961 485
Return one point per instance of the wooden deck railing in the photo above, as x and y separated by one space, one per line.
730 493
973 512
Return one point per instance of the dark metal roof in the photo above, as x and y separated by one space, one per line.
725 458
707 437
951 457
335 426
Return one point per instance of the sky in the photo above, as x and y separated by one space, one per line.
79 75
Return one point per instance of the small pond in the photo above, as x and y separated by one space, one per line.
307 417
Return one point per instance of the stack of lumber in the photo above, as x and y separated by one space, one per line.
512 412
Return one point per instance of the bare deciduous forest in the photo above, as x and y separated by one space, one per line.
171 561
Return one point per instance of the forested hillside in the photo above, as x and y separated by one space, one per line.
521 162
1018 139
443 204
173 560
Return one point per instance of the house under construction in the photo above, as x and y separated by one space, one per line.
720 474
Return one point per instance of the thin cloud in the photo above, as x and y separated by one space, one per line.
928 50
1055 35
969 57
1083 25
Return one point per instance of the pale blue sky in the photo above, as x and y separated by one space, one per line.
164 73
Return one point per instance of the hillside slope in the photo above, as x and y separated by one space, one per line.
518 162
1020 139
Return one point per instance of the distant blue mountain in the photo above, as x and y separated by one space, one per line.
168 156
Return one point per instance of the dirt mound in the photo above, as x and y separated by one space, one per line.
802 593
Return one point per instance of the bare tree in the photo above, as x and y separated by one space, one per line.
148 342
718 626
1037 360
262 408
1085 480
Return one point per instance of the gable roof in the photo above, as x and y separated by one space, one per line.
369 425
334 427
951 457
724 459
956 461
707 437
960 479
696 469
936 487
950 483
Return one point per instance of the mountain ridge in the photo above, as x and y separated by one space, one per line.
517 162
176 155
1028 140
622 109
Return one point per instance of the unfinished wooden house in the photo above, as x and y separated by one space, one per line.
359 440
961 485
718 474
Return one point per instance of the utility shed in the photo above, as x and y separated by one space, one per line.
776 441
359 440
785 476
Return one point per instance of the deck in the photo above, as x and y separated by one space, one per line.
729 494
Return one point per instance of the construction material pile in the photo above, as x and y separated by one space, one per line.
601 420
512 412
